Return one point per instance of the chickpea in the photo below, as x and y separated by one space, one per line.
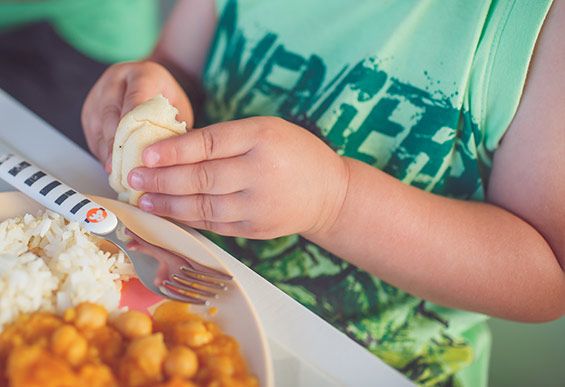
182 362
133 324
90 316
67 343
191 333
143 362
40 324
151 347
221 365
69 315
177 382
107 341
97 375
171 312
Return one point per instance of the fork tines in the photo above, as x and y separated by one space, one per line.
200 278
195 285
178 296
195 268
189 289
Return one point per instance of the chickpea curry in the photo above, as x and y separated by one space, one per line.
173 348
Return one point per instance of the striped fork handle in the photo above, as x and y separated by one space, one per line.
56 195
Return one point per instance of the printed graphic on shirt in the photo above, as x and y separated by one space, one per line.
361 111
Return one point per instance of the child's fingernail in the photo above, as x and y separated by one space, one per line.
151 157
145 204
135 180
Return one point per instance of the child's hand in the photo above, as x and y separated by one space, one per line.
120 89
259 178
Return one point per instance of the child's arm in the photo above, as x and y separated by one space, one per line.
506 257
184 44
264 177
187 35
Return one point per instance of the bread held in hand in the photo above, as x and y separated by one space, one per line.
150 122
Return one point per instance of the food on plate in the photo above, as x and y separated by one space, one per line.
152 121
49 264
134 324
174 347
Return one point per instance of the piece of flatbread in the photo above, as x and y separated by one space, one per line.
152 121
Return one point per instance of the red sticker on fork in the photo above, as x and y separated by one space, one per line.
95 215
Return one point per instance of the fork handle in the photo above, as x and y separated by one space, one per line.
56 195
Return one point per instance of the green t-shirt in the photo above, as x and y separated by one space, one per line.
105 30
421 89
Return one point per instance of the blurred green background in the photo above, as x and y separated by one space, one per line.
523 355
527 355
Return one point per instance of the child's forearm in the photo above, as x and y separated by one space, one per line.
184 44
187 35
468 255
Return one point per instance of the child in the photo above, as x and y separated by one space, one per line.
367 200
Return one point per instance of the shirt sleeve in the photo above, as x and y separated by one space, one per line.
110 30
501 62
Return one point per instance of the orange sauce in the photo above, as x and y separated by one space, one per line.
174 348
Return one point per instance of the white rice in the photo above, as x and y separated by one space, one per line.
49 264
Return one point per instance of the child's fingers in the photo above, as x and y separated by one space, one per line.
108 165
101 114
139 88
103 134
218 141
110 117
211 177
197 208
147 79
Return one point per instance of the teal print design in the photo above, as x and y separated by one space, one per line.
362 112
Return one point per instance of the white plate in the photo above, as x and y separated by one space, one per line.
235 316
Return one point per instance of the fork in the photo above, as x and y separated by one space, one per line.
162 271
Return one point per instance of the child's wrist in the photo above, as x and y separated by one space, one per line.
332 204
